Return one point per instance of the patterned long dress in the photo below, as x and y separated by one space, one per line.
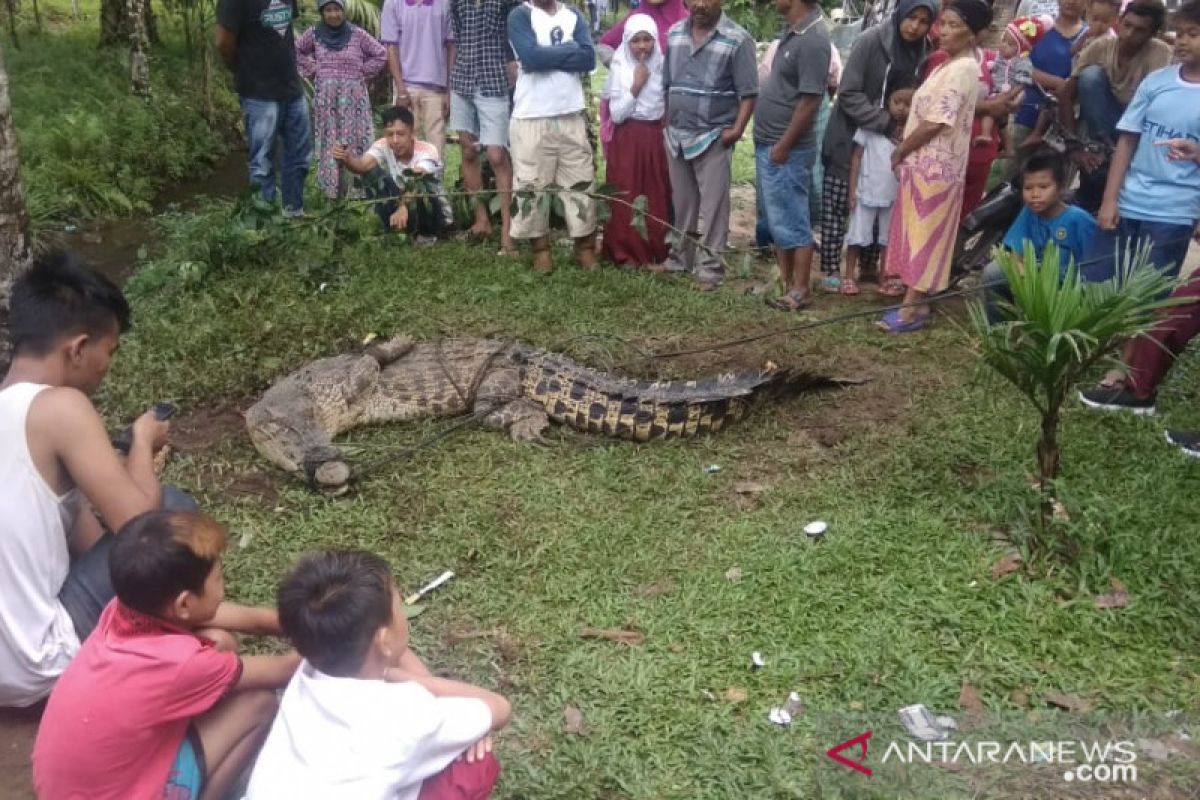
925 217
341 104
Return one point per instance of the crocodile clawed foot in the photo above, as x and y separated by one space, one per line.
529 429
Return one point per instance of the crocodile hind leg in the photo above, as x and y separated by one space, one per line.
498 400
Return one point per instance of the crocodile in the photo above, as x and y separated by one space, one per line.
506 385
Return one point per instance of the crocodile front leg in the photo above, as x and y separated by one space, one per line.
499 400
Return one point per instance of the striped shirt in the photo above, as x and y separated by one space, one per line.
706 83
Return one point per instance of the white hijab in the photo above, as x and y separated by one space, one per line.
649 104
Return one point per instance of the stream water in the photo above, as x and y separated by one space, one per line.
111 246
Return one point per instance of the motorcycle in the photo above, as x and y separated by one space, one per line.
985 227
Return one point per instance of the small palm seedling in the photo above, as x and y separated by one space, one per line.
1056 328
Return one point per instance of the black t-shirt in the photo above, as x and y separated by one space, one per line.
265 68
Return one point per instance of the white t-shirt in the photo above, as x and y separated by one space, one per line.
37 637
554 93
352 739
877 184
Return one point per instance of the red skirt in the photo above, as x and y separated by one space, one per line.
637 167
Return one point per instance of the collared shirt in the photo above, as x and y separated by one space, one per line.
480 30
421 31
1157 189
801 67
705 83
120 711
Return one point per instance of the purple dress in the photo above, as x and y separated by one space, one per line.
341 103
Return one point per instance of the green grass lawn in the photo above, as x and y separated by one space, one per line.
922 474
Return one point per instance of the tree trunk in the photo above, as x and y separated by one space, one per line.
14 220
115 27
1047 456
10 6
139 63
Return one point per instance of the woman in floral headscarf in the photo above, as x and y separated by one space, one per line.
339 58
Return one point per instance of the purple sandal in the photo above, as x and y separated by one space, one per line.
891 323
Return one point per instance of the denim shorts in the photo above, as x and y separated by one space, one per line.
1169 246
485 118
785 190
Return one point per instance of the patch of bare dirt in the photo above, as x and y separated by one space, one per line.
210 426
18 727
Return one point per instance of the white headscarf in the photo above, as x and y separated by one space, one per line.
649 104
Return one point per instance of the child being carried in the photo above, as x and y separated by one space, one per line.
1012 67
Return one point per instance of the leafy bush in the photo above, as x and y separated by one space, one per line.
1057 327
90 148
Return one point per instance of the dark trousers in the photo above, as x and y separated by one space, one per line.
88 587
1100 111
424 213
1154 353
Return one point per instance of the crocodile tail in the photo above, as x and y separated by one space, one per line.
642 411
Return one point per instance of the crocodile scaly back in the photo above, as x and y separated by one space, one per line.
642 411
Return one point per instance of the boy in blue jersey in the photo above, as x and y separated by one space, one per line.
1044 219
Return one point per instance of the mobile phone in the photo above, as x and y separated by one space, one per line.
124 440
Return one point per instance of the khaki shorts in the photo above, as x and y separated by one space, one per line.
553 151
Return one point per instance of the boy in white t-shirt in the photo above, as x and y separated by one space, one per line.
411 172
873 185
363 719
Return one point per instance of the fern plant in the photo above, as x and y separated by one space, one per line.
1058 327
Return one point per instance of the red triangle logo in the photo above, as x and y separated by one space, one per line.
860 741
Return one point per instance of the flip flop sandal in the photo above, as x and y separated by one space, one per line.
831 284
849 287
792 301
891 323
471 237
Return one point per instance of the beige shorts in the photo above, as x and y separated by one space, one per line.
552 151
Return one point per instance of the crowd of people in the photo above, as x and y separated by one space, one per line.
114 601
866 167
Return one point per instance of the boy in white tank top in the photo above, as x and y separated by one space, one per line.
59 471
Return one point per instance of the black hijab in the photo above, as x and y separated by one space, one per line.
977 14
907 57
334 38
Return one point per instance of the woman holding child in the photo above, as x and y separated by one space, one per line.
339 58
931 164
637 162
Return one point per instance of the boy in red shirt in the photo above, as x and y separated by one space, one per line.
156 703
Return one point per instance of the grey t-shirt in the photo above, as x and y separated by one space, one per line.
801 67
